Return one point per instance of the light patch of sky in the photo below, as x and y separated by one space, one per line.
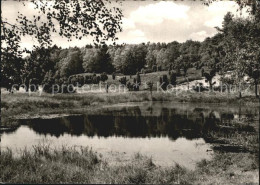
143 21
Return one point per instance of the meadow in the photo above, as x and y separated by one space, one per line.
192 74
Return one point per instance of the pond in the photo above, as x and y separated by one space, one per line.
168 132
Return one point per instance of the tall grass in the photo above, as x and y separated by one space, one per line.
70 165
82 165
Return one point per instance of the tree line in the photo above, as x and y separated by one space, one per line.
234 49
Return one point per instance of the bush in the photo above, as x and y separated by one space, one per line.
130 86
154 68
73 80
209 75
96 79
165 82
123 80
103 77
63 80
81 80
113 76
173 78
88 79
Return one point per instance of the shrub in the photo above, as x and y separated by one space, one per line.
95 79
165 82
113 76
154 68
88 79
130 86
73 80
103 77
63 80
123 80
81 80
98 79
173 77
209 77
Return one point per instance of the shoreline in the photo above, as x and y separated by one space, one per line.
20 105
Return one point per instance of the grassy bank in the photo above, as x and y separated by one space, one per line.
22 105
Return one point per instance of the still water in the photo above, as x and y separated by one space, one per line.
169 133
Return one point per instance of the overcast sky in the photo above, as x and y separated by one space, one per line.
154 21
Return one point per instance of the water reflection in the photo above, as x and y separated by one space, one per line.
167 132
138 121
73 125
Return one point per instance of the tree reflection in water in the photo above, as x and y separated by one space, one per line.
136 121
